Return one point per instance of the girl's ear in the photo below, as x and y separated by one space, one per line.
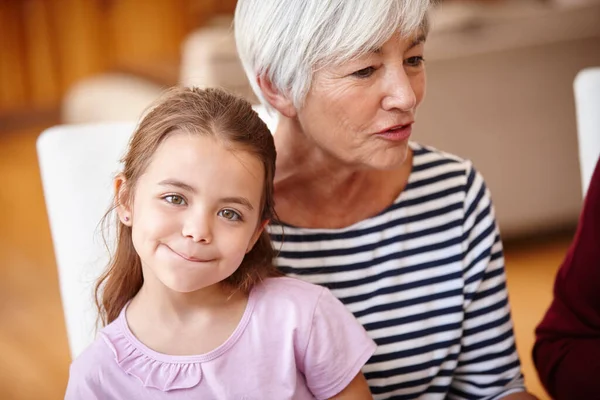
259 230
276 99
122 203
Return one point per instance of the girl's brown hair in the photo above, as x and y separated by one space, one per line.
211 112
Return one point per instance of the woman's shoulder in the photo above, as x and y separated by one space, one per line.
424 154
431 165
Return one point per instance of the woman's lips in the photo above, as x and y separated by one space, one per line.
397 133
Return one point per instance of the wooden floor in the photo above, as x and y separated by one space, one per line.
34 357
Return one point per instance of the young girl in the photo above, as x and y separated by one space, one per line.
190 302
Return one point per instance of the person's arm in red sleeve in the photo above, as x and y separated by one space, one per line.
567 348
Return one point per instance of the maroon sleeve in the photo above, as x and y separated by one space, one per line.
567 348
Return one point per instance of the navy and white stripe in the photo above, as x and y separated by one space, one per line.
426 279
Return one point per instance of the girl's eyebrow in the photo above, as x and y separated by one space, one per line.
238 200
179 184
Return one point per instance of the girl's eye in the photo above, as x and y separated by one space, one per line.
364 73
415 61
175 199
230 215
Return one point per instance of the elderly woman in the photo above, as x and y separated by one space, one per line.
403 234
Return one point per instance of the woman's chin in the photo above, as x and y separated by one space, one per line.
389 159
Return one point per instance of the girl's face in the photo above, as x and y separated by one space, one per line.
195 212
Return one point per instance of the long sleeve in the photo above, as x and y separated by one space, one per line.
488 363
567 349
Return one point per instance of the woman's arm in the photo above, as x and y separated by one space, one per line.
358 389
520 396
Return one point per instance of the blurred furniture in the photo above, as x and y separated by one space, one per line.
48 45
77 164
208 58
500 92
108 98
587 100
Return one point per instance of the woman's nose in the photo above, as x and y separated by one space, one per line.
399 93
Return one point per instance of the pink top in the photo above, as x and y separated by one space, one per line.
294 341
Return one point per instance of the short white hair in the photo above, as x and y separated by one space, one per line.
286 40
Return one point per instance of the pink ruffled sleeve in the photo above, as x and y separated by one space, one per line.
84 381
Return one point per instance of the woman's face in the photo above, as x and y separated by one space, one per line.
361 112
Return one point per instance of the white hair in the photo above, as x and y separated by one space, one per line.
287 40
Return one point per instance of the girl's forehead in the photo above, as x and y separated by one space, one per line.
197 158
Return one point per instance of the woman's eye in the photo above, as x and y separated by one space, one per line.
414 61
230 215
174 199
364 73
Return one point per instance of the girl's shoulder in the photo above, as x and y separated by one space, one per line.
296 304
98 352
88 368
330 345
285 293
290 287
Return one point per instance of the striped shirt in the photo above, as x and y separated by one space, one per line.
426 279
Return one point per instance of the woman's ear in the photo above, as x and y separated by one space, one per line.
276 98
259 230
122 203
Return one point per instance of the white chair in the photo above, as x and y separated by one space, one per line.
587 102
77 165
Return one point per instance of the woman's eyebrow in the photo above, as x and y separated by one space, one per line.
418 40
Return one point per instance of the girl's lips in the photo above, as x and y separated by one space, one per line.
191 259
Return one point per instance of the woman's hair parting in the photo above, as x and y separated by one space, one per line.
210 112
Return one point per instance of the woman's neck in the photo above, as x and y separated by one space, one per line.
315 190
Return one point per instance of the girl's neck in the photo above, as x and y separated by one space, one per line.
184 323
158 301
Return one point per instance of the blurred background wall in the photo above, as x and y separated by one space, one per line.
48 45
